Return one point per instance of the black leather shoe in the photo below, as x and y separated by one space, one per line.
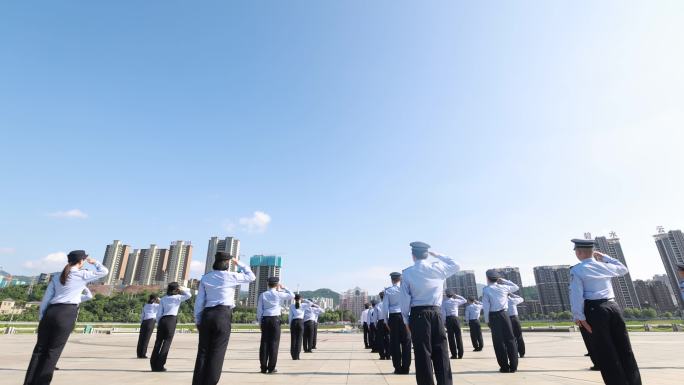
594 368
504 370
453 357
273 371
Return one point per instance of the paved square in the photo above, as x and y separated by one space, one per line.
553 358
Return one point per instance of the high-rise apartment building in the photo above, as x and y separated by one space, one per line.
553 287
263 266
228 245
512 274
116 261
463 282
354 301
132 268
623 287
654 294
671 248
178 266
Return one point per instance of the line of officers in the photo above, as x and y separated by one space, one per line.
385 333
412 312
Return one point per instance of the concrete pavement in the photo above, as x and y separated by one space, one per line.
553 358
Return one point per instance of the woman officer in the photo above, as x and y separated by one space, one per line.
58 312
147 319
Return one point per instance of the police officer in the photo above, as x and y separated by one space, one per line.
381 329
311 311
366 328
513 302
594 308
495 305
472 316
167 318
296 319
371 326
450 314
421 292
399 340
147 319
213 315
268 316
57 314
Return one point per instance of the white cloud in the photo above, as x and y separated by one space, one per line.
7 250
49 263
196 268
70 214
257 223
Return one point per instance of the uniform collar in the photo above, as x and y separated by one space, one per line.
588 260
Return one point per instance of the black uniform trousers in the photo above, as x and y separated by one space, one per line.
610 342
517 333
53 332
366 344
430 345
586 337
315 335
214 334
308 336
371 336
146 329
476 334
382 339
166 329
270 341
505 348
400 344
454 336
296 336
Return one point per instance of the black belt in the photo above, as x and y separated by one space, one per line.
424 308
270 316
597 301
497 311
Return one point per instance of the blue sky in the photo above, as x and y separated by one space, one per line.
495 132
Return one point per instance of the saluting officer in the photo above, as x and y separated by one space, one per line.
450 314
147 319
421 292
399 339
472 316
366 328
167 318
381 329
268 315
311 311
214 314
296 319
57 314
495 305
594 308
513 302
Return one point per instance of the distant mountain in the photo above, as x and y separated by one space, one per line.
325 293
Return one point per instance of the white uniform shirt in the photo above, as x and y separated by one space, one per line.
391 303
149 311
513 302
591 279
364 316
450 306
311 313
71 291
169 304
495 296
297 313
422 283
217 287
379 312
472 311
270 301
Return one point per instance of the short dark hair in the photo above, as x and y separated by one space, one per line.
173 288
153 298
221 264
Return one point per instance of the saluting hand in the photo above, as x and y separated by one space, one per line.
91 260
598 256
